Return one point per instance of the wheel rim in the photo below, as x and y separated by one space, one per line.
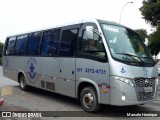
88 100
22 83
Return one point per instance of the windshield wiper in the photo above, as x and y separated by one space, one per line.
131 56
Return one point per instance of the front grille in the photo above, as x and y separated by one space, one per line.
145 96
145 82
141 84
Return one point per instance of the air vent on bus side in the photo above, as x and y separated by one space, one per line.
43 84
48 85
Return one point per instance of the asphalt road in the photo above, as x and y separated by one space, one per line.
62 107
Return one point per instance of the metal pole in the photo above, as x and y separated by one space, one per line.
122 11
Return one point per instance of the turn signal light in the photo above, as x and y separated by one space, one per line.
104 91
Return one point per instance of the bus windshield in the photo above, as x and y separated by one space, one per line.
126 45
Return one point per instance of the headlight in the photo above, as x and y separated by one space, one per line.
125 80
157 81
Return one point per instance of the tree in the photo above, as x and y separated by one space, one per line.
154 45
142 33
151 13
1 49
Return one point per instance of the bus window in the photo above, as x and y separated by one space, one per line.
10 46
20 45
45 43
49 44
67 46
33 44
91 48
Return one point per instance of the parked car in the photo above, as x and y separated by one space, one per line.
1 102
158 68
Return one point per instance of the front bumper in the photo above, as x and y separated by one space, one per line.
122 94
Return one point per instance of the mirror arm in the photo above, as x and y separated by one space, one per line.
96 31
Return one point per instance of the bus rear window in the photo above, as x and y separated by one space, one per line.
10 46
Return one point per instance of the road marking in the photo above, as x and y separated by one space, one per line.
6 91
157 101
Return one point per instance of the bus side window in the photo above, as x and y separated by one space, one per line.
91 48
67 47
49 44
45 43
33 44
55 40
20 45
10 46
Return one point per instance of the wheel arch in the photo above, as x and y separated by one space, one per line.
85 83
19 74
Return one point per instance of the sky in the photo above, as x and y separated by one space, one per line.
19 16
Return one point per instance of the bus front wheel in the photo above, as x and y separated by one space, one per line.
22 83
89 99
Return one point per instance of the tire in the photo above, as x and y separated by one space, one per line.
22 83
89 99
142 104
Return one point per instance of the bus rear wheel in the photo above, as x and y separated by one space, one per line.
89 99
22 83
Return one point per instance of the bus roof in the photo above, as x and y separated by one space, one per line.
67 24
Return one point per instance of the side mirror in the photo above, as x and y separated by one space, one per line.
146 41
89 32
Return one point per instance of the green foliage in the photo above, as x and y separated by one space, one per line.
155 42
142 33
151 13
1 49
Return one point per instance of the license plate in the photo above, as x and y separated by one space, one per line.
148 89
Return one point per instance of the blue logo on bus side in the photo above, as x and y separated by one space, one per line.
123 70
145 71
32 74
